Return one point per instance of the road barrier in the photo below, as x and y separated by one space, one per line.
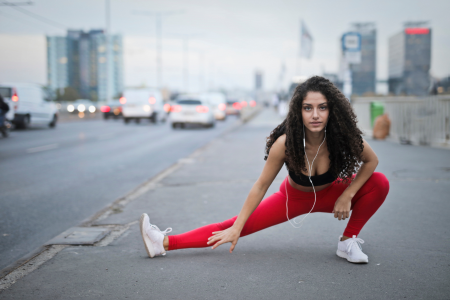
414 120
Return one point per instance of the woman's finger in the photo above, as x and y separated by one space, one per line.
217 245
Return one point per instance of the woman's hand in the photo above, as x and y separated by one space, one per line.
342 207
221 237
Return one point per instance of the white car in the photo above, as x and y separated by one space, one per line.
218 104
191 110
29 104
140 104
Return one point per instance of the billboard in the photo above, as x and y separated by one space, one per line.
351 47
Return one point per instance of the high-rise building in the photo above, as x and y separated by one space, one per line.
364 74
87 68
57 63
258 80
409 60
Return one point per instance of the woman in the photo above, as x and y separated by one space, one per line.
322 148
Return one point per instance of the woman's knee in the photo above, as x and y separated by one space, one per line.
380 182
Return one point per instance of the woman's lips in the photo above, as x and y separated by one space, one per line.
316 123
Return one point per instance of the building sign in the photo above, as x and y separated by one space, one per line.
417 31
351 47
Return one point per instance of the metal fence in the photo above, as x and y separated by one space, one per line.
414 120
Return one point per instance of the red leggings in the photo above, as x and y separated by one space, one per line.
272 210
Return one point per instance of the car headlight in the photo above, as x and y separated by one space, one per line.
92 108
70 108
81 108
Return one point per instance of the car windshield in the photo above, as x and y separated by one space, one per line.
5 92
189 102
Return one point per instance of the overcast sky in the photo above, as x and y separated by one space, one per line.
230 39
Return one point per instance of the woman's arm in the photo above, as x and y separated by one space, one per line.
343 203
273 165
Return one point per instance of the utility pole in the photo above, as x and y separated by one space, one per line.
201 75
158 18
108 65
185 38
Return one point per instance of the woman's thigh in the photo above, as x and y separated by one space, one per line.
272 211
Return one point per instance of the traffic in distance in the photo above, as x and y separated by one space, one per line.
33 105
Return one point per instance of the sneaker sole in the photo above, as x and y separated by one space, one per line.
344 255
147 243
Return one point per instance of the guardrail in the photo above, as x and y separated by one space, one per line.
414 120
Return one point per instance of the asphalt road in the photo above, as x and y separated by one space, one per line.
53 179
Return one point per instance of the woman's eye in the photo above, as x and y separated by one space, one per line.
307 108
323 108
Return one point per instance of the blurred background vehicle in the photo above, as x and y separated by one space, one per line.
112 109
29 104
191 110
218 104
142 103
233 107
82 106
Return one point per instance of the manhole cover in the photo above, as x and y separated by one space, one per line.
80 236
442 173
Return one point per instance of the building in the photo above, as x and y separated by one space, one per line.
86 67
57 63
258 80
364 74
410 60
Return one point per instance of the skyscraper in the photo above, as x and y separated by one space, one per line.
258 80
364 74
409 60
57 62
87 68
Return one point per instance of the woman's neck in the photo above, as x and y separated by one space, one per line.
314 138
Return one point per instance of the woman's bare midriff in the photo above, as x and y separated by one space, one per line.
307 188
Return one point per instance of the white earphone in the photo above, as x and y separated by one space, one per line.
310 168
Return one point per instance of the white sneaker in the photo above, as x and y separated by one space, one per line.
153 237
351 250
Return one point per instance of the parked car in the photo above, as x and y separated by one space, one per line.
140 104
218 104
233 107
83 106
29 105
191 110
112 109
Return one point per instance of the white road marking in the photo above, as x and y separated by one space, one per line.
42 148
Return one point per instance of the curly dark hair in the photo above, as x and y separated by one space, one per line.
344 140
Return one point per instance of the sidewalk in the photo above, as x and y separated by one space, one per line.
407 240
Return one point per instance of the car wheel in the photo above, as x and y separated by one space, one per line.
174 125
105 116
52 124
182 125
25 123
154 118
138 120
126 120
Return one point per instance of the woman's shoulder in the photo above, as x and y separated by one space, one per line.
279 146
281 140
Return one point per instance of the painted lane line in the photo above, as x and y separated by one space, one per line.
42 148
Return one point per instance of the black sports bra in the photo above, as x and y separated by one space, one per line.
317 180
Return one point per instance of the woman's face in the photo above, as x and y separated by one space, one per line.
315 111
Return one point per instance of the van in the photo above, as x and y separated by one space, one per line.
142 103
29 104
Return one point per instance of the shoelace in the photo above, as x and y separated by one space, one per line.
163 232
354 240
